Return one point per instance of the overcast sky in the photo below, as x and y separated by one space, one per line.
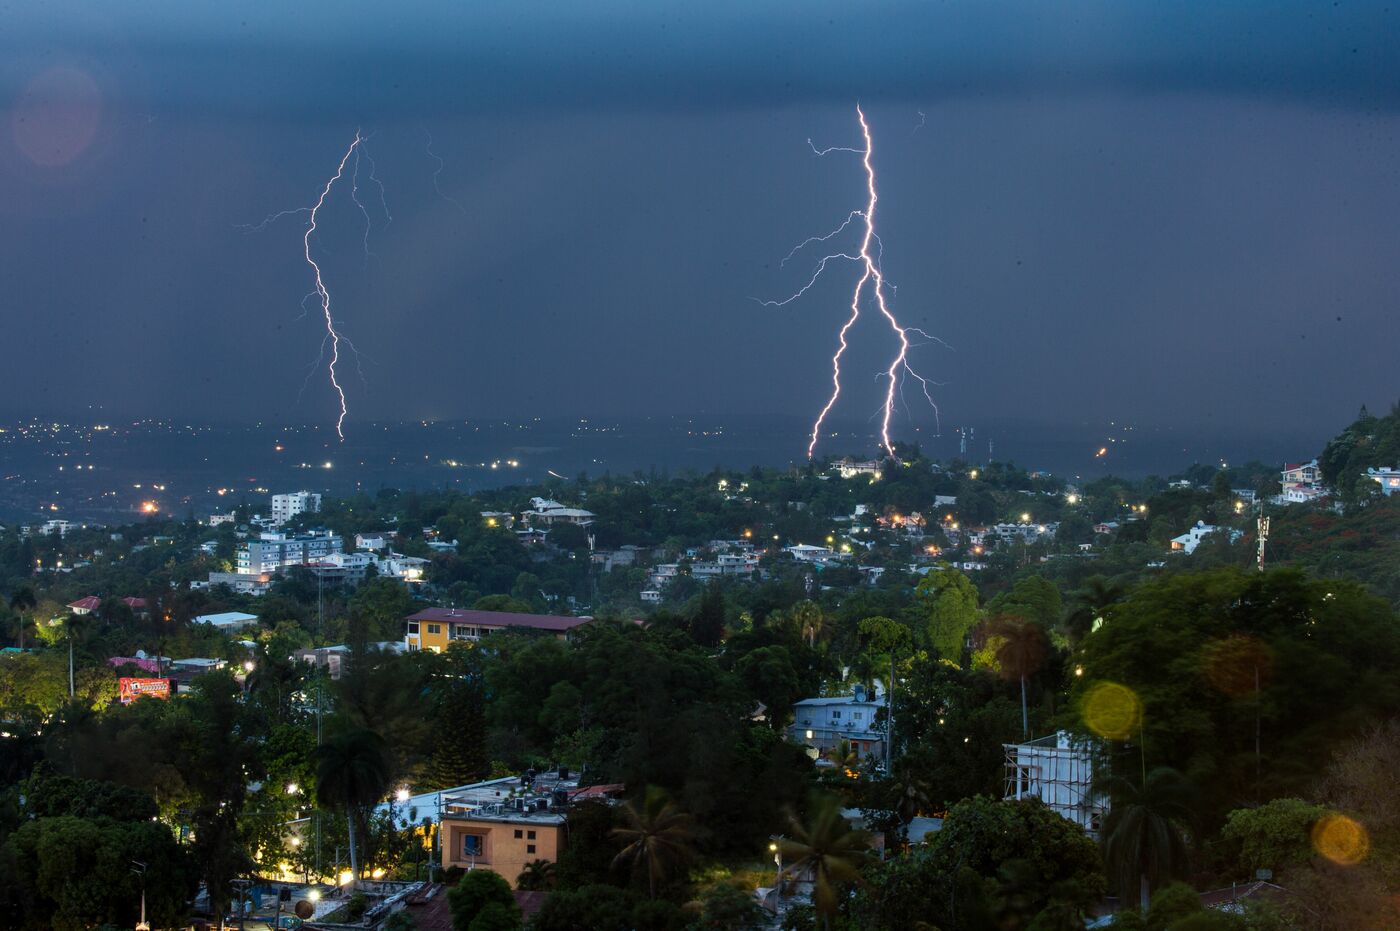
1180 213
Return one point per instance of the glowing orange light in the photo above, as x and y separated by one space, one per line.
149 507
1340 839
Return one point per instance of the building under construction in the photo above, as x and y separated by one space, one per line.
1060 772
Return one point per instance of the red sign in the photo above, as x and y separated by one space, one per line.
132 689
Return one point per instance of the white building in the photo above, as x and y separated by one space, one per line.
1301 482
285 507
724 565
803 552
1060 774
217 519
371 541
852 468
547 512
822 723
1188 541
274 551
228 620
1389 480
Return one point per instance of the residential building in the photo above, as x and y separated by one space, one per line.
853 468
217 519
244 583
1059 771
663 574
1023 532
1301 473
272 552
822 723
437 628
547 512
285 507
1389 480
85 606
724 565
502 825
374 542
1188 541
651 596
804 552
228 620
1105 527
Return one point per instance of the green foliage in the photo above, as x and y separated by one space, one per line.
482 901
1326 654
588 908
948 600
1370 442
1274 836
729 906
1002 862
72 873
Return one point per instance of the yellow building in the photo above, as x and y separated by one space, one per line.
437 628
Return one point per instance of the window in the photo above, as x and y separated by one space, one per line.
434 628
835 715
413 627
531 835
529 848
473 845
518 834
855 715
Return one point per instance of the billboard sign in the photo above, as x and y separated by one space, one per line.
132 689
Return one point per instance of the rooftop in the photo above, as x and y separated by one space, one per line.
498 619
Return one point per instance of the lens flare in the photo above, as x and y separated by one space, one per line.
1111 710
1340 839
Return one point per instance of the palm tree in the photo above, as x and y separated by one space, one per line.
537 876
1088 606
21 601
1142 835
808 615
352 774
657 834
826 848
1022 650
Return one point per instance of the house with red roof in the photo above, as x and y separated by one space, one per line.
437 628
85 605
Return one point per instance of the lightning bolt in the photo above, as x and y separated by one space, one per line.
437 172
872 279
321 293
333 339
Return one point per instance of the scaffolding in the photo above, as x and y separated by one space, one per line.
1060 773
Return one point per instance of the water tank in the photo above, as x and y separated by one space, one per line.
563 773
559 798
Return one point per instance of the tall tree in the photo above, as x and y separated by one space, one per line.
949 601
657 834
1020 653
826 848
22 602
352 774
1142 835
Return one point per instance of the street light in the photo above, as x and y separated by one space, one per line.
402 795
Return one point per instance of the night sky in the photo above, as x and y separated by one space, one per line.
1175 213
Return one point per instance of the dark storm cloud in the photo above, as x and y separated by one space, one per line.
1178 212
365 60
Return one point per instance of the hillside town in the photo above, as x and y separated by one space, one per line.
736 700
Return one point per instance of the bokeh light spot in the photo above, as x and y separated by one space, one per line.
1238 664
1340 839
1111 710
55 118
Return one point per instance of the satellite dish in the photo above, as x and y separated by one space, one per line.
304 909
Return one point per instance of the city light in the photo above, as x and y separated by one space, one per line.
402 795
